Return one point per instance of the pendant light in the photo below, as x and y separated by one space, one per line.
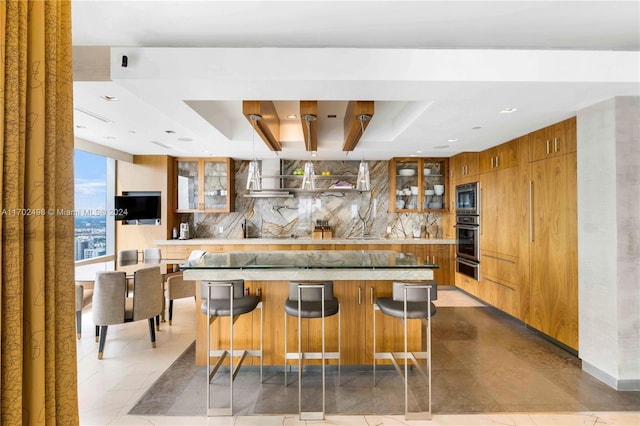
309 178
363 182
254 180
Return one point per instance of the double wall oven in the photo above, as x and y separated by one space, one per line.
468 230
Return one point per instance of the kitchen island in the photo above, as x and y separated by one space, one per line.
360 276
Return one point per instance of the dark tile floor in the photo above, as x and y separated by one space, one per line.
483 361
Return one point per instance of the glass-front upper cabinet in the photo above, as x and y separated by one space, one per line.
205 185
417 184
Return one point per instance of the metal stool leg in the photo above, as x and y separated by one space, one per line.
231 352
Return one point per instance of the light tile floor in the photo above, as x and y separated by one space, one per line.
109 388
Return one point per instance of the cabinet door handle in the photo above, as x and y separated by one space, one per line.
547 146
497 161
492 162
531 238
555 145
371 295
359 295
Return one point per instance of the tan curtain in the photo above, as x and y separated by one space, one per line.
37 337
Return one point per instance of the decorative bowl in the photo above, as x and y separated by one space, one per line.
426 171
429 192
406 172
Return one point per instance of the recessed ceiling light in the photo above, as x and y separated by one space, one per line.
419 151
441 146
508 110
79 126
292 116
132 131
109 98
170 131
476 128
109 137
452 140
185 139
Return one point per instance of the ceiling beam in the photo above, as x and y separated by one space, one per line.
309 120
353 126
268 127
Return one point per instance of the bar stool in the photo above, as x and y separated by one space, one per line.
408 301
310 300
227 299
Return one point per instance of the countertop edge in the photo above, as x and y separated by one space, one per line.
299 241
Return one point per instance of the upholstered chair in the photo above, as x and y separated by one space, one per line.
110 306
127 257
177 288
84 294
151 255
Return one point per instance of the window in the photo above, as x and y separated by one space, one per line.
94 185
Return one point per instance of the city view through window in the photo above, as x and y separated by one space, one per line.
90 198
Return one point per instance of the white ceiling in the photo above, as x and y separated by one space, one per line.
435 69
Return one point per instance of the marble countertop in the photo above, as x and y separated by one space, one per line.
288 241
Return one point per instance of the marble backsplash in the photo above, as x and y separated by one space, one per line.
348 213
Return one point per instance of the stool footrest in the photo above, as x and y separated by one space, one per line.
311 415
313 355
226 411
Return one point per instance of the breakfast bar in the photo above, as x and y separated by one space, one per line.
359 276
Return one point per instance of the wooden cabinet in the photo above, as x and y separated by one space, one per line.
463 167
553 257
205 185
418 184
501 195
499 157
558 139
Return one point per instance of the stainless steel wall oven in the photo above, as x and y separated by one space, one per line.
468 230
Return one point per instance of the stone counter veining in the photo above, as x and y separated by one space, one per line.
289 241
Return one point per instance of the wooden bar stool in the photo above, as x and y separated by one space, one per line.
409 301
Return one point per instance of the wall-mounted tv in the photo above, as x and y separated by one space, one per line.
137 207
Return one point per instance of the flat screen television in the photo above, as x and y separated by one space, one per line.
137 207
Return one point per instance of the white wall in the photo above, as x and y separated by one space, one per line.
608 243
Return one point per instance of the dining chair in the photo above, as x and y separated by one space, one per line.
84 295
151 254
127 257
111 307
176 287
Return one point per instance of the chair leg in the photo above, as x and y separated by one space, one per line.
97 333
79 324
170 311
152 332
158 322
103 338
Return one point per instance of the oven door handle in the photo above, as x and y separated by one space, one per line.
467 262
465 226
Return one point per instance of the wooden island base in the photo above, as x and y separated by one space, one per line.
356 300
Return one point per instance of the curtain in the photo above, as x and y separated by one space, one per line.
37 336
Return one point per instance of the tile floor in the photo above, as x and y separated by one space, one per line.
109 388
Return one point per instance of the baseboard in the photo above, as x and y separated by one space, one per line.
619 385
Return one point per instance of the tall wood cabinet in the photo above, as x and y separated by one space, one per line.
554 257
502 202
